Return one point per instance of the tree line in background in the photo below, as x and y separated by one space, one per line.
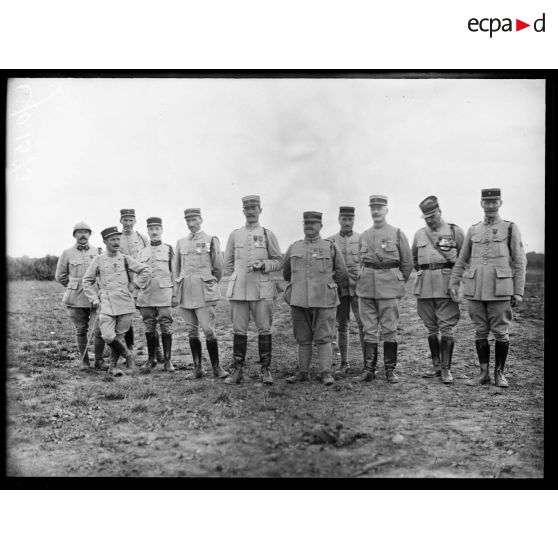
43 269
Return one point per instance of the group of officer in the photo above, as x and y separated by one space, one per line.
326 279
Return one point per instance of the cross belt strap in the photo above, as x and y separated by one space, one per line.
436 265
383 265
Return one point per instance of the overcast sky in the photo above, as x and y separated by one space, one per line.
82 149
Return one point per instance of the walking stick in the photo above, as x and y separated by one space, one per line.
90 335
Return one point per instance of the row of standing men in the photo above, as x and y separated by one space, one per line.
326 279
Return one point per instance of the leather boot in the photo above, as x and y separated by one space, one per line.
167 351
129 356
343 344
304 359
361 338
81 341
100 363
500 355
483 353
158 352
264 347
324 359
213 350
447 353
129 338
370 361
390 361
150 338
434 344
196 348
240 343
119 349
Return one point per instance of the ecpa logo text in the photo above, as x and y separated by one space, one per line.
492 25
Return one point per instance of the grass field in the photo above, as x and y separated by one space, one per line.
62 422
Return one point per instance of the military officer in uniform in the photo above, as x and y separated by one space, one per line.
131 243
493 283
70 269
157 298
198 270
314 268
346 241
435 248
386 264
251 254
114 297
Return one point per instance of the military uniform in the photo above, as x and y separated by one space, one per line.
435 250
386 264
116 302
154 300
348 246
492 264
198 269
131 244
251 290
70 269
314 269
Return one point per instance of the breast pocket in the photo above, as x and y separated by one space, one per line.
296 263
499 245
210 289
238 249
476 246
390 246
325 264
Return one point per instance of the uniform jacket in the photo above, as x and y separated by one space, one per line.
314 268
244 247
112 277
434 283
348 246
198 267
133 244
71 267
495 272
159 289
384 245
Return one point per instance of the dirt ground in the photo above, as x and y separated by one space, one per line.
62 422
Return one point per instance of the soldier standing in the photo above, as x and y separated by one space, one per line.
70 269
158 296
131 243
114 297
315 269
386 264
493 283
346 241
435 249
252 253
198 270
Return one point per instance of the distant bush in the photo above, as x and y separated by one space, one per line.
534 259
32 269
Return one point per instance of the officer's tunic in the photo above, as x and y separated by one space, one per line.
380 287
116 302
159 288
71 267
313 268
155 299
495 273
348 246
133 244
198 270
434 305
250 290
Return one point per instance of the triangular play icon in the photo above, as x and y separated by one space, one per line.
519 25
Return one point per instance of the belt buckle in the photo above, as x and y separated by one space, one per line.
431 266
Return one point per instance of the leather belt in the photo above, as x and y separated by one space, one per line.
436 265
384 265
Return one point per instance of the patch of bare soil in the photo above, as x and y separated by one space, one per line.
62 422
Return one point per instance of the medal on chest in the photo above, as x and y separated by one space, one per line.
383 245
258 240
